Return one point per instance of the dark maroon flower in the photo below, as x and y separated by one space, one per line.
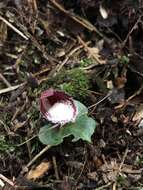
57 106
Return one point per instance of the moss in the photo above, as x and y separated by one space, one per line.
77 83
74 81
124 60
85 62
5 146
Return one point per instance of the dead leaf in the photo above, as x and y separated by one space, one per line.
94 53
39 171
60 53
98 162
110 84
120 82
17 125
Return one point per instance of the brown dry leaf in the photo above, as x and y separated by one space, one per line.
17 125
39 171
98 162
60 53
110 84
120 82
94 53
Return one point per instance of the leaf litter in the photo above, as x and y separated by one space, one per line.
41 43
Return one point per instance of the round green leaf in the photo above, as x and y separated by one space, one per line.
83 129
82 109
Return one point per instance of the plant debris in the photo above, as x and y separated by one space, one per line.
93 51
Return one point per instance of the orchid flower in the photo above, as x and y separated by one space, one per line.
58 107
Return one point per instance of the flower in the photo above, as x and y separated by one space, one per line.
57 106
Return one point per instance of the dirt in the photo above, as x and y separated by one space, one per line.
92 50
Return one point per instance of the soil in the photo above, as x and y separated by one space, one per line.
93 50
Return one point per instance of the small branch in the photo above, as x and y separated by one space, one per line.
5 80
85 23
104 98
123 160
28 140
37 156
13 28
6 180
130 32
11 88
5 127
104 186
55 168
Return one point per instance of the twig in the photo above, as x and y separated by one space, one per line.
55 168
2 184
5 127
5 80
82 169
36 43
41 49
135 71
114 186
132 29
69 55
104 186
94 56
38 155
41 72
15 114
6 180
85 23
11 88
18 145
123 160
59 67
135 94
14 28
67 58
104 98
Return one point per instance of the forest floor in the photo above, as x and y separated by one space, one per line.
93 50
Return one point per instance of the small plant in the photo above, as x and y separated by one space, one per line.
69 116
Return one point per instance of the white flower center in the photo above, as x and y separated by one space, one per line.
61 112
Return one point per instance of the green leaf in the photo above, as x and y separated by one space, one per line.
82 109
83 129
